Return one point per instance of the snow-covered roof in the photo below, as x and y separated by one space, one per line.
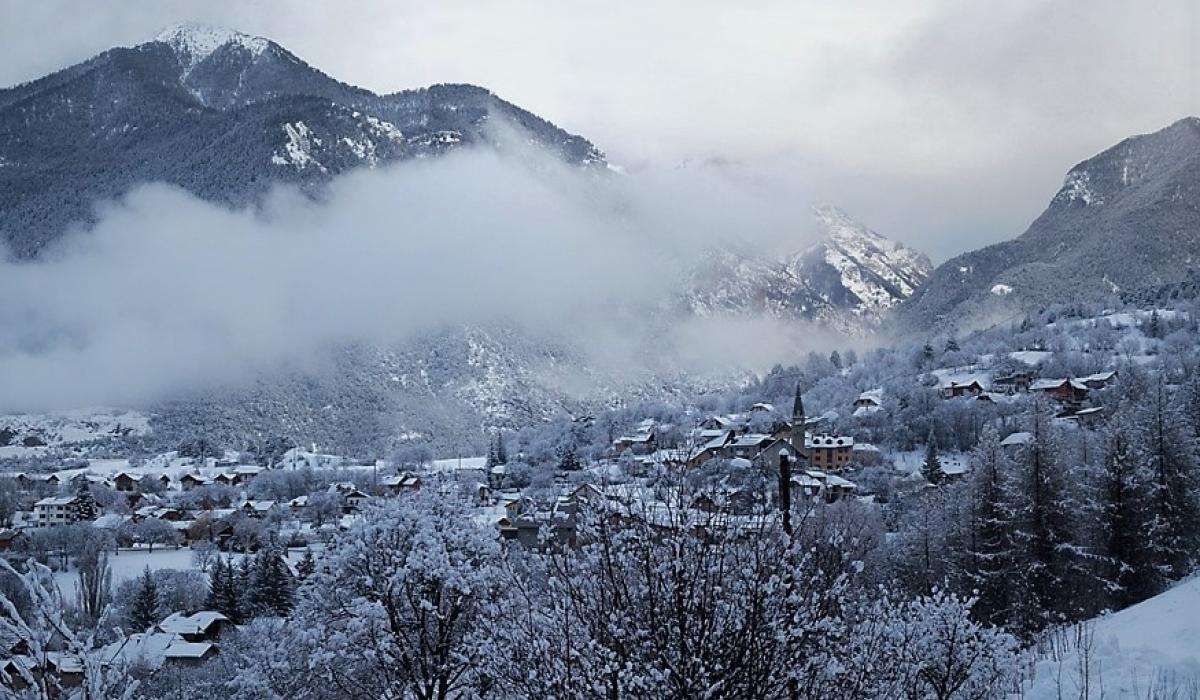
826 440
1019 438
56 501
752 440
196 623
873 395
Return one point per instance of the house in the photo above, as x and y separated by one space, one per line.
352 497
203 626
868 401
124 481
1084 416
1015 383
192 481
748 446
153 650
952 390
639 442
814 483
714 442
402 482
61 510
257 509
1099 380
225 479
1016 440
829 452
762 408
1069 391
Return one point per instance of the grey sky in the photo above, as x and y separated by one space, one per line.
944 123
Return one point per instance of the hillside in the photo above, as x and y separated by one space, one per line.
1124 220
223 115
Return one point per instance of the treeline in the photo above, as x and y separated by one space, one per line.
1073 522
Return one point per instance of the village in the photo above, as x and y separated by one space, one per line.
150 511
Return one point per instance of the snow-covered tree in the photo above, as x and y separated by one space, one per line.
40 624
394 611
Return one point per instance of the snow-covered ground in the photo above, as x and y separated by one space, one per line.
1131 653
130 563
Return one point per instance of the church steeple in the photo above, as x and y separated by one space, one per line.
798 424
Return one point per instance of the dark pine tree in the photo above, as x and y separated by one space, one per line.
307 566
271 592
1131 575
931 468
144 613
990 567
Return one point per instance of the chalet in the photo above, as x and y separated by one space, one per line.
167 513
869 401
225 479
402 482
642 441
1015 383
714 443
153 650
748 446
952 390
203 626
298 504
829 452
62 510
1099 380
192 481
258 509
1069 391
1017 440
762 408
1083 416
814 483
352 497
124 481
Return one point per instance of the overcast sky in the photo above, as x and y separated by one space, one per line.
946 124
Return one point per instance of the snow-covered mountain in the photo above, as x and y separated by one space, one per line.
223 115
1124 221
848 278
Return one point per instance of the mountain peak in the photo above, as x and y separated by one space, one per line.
193 42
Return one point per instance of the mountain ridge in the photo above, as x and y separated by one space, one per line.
1124 219
222 123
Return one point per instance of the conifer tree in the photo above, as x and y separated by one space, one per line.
224 593
1131 576
307 566
990 567
1174 527
501 450
931 469
144 613
271 591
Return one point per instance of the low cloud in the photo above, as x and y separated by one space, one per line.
168 292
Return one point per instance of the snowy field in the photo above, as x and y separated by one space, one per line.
129 564
1131 653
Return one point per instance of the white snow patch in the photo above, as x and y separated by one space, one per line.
298 149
